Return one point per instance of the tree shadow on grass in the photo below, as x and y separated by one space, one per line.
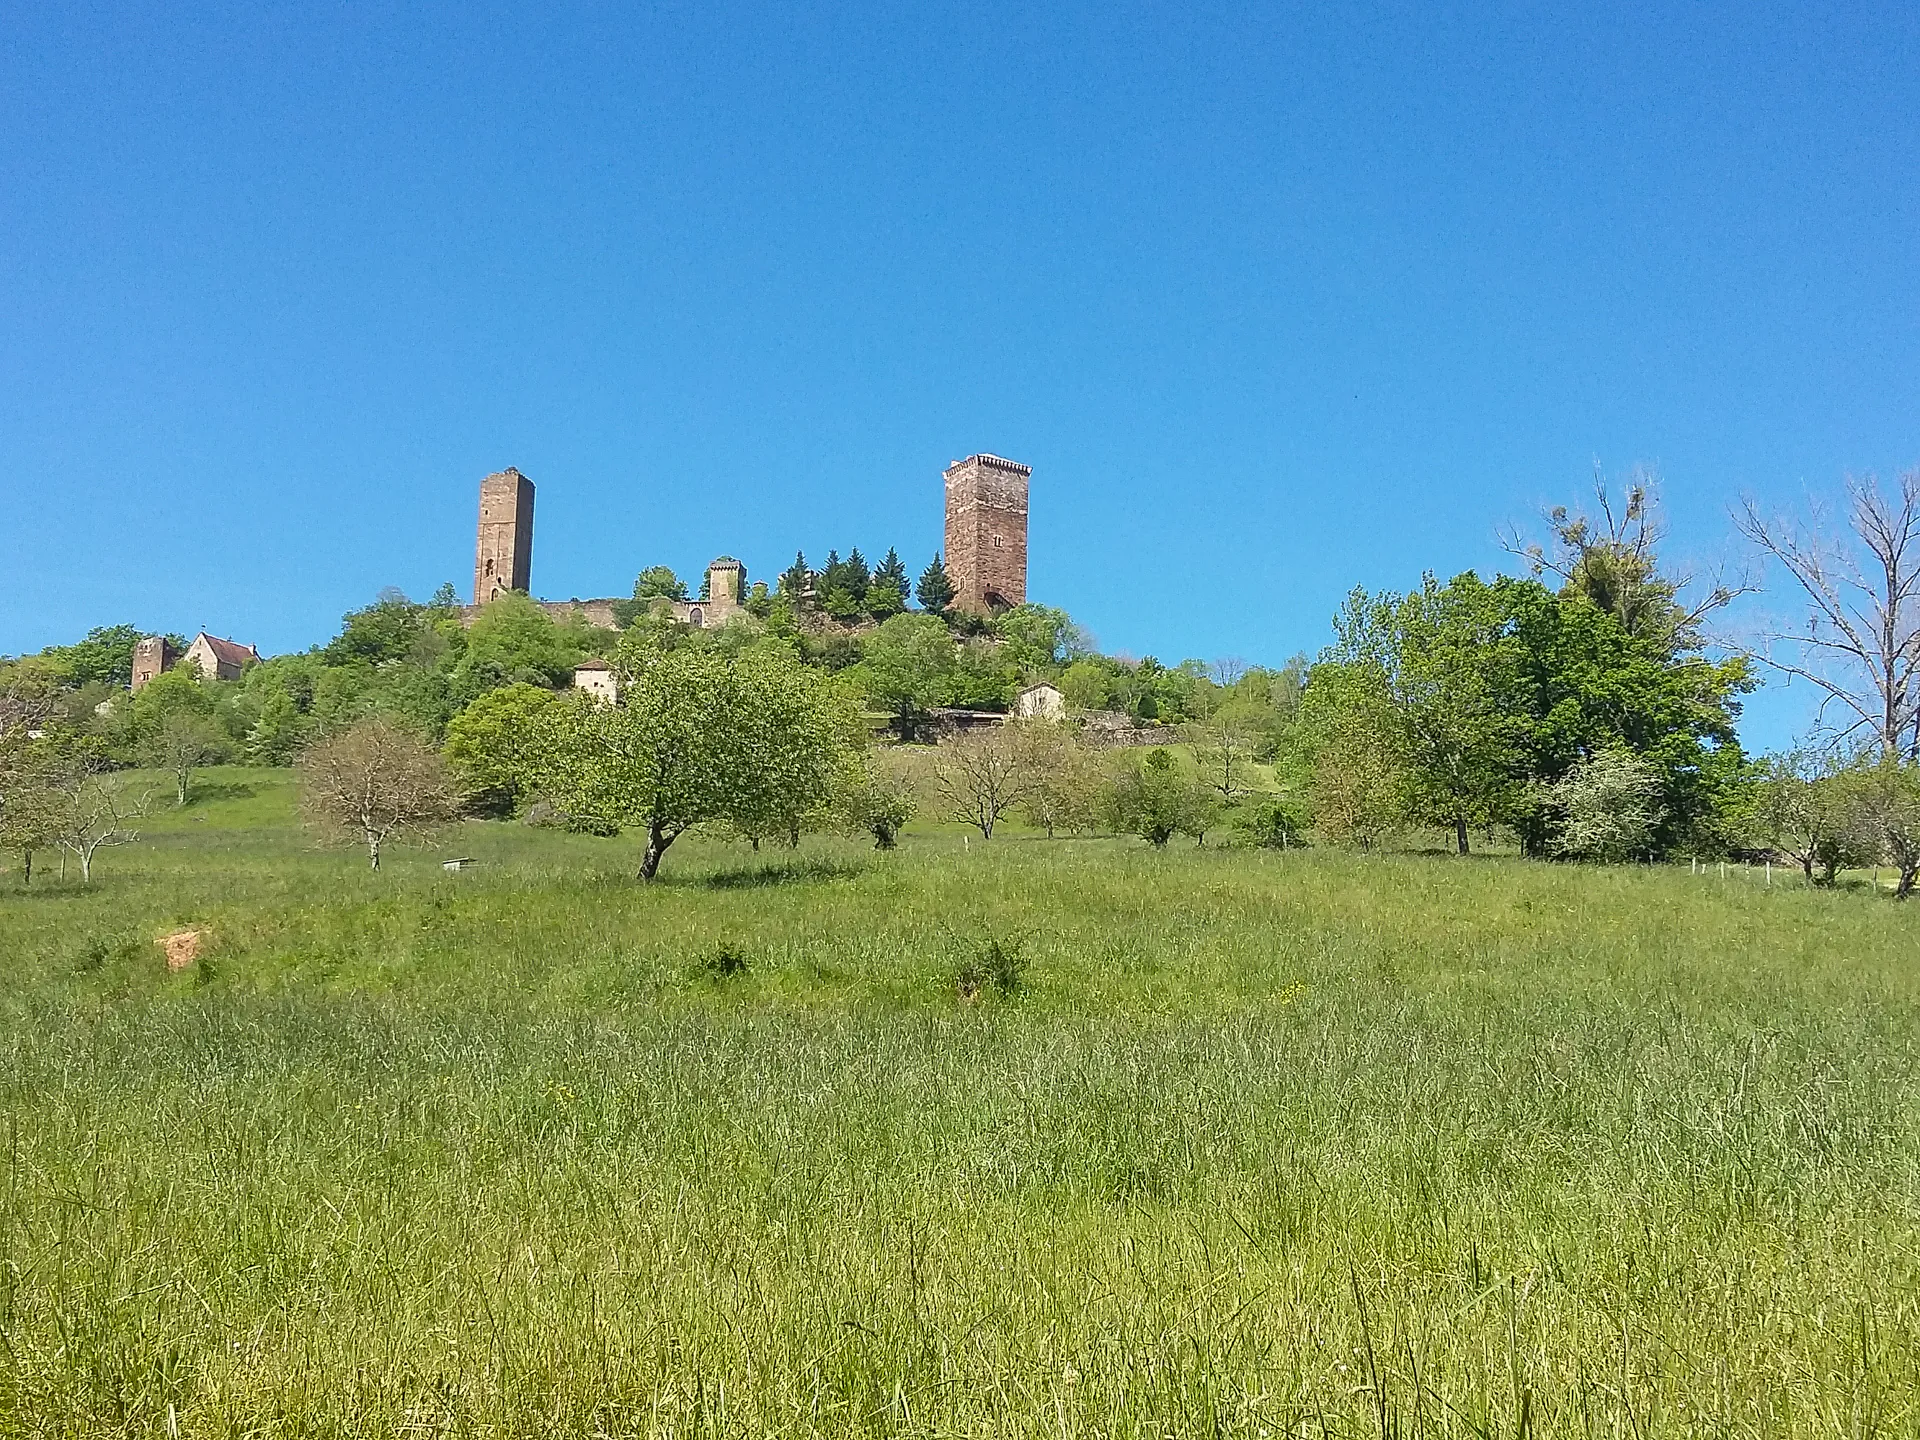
783 872
203 791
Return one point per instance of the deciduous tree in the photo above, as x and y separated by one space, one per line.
184 741
755 740
1069 782
881 796
982 774
1859 643
1804 808
1156 797
1611 559
1889 809
906 669
375 782
491 747
92 809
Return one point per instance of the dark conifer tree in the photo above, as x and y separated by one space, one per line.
796 579
892 572
935 590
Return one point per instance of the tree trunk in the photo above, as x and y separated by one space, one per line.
657 842
1908 873
1460 832
86 866
373 851
180 783
26 867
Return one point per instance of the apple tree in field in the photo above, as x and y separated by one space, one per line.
756 741
373 783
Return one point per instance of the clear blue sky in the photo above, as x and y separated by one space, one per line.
1275 302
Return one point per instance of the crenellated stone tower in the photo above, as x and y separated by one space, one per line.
503 555
987 533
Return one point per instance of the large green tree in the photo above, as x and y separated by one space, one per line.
1039 640
491 746
1485 695
1448 663
907 668
754 740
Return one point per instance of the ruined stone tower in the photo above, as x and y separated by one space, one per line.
987 533
503 555
153 657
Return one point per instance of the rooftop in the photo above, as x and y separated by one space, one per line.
231 651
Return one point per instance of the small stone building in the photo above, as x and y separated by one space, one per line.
1040 702
596 677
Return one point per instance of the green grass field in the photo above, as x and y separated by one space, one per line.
1267 1144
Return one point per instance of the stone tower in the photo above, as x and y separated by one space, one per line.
987 533
503 556
153 657
726 578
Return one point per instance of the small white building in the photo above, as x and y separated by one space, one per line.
596 677
1040 702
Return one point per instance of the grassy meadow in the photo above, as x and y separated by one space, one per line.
1265 1144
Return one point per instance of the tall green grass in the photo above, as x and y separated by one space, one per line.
1264 1144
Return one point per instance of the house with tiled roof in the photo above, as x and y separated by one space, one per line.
219 659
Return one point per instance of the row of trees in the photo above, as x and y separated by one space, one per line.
57 793
753 745
1588 717
849 590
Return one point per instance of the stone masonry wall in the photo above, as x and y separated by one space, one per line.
503 552
986 555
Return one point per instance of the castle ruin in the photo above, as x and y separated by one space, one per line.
986 548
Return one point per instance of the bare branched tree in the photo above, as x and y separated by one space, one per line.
1612 559
1223 749
1859 643
92 810
373 783
982 774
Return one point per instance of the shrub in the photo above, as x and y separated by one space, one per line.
724 963
995 962
1608 805
1274 822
